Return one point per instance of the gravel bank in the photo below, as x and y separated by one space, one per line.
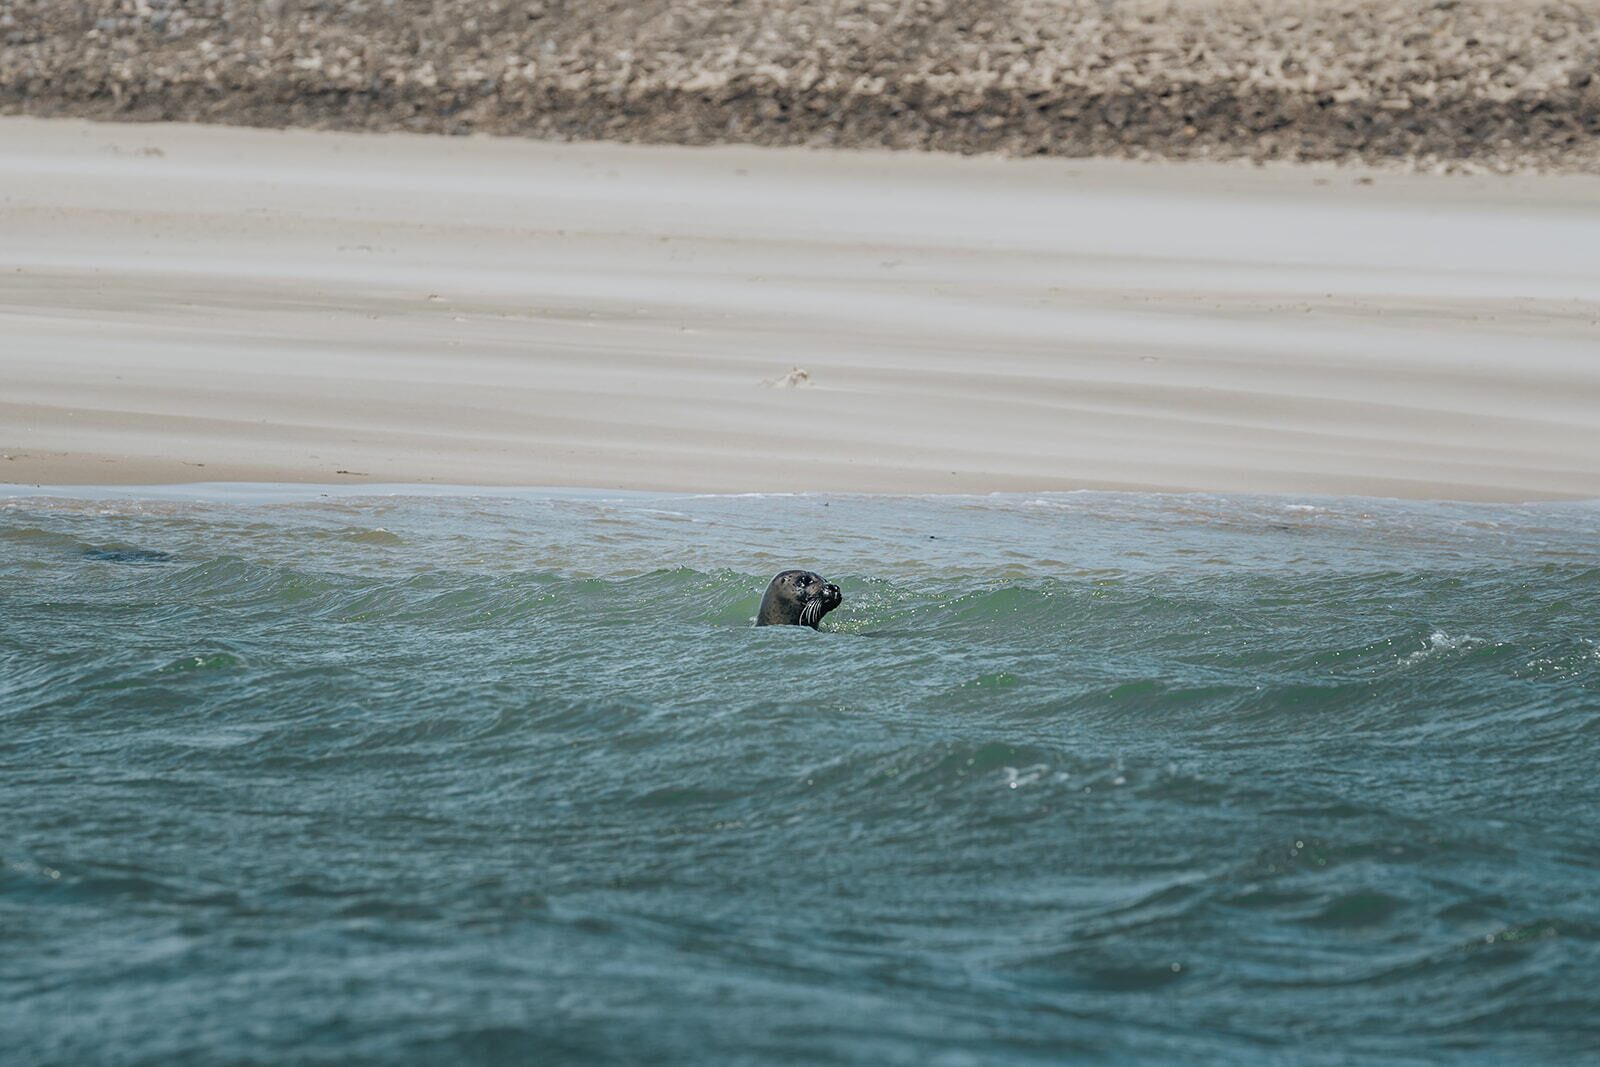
1445 83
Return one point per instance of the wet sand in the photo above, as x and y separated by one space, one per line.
215 304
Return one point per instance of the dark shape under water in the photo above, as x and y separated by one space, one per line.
127 555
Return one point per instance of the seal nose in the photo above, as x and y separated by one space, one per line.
831 592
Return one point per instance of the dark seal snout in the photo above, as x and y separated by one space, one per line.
798 598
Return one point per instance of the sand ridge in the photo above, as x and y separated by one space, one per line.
1434 83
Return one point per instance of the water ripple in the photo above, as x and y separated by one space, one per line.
402 779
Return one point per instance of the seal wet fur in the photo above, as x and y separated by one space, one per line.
797 598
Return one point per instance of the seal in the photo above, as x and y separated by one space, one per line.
797 598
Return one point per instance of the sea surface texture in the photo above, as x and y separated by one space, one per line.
441 778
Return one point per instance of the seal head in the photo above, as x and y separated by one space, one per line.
797 598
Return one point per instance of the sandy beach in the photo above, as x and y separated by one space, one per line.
216 304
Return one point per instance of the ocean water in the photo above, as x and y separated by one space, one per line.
421 777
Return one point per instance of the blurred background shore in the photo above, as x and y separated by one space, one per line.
1436 84
813 305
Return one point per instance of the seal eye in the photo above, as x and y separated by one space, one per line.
802 581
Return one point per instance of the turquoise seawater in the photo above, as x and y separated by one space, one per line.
441 778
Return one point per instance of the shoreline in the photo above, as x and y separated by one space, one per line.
200 303
266 494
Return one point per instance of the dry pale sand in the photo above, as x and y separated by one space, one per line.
212 304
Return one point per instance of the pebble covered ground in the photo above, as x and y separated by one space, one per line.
1446 84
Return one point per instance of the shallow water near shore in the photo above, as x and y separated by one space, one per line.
415 776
